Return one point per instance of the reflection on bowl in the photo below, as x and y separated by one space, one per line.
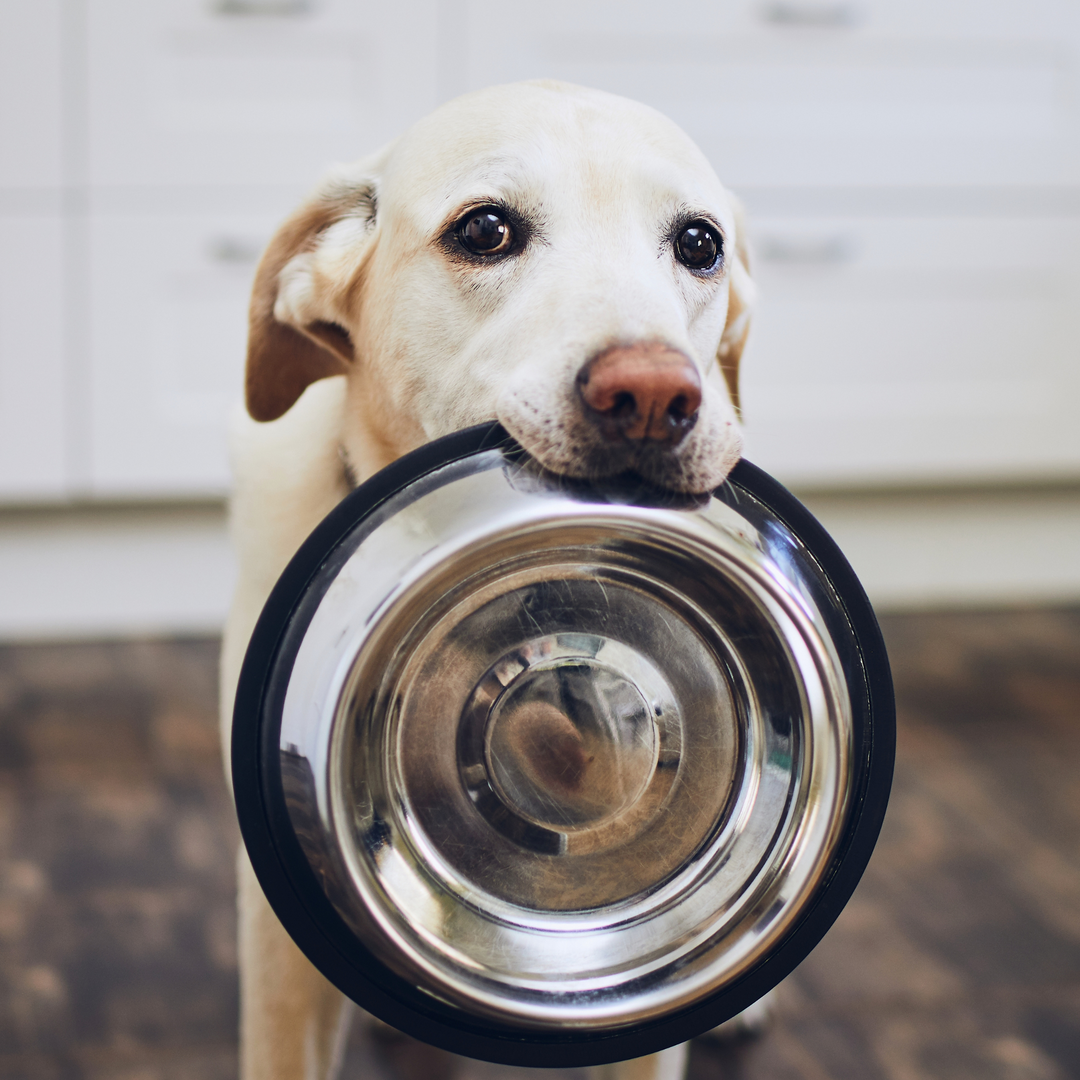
569 766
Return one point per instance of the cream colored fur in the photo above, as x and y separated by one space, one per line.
370 338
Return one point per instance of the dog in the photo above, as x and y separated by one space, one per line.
557 258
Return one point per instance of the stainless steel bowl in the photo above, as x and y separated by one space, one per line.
553 773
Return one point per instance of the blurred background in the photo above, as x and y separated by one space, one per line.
911 172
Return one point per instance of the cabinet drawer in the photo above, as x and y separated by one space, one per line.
915 349
819 21
30 95
250 91
169 300
33 434
792 93
883 350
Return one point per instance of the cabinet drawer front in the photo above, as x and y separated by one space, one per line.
819 93
250 91
168 336
33 432
899 349
915 349
31 126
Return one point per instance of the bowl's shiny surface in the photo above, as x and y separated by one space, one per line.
561 760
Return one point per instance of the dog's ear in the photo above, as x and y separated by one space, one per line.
741 297
295 336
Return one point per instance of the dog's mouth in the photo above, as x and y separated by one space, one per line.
628 487
586 477
642 471
657 463
571 442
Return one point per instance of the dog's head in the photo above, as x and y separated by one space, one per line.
560 259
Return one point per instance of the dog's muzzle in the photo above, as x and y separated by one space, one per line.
554 774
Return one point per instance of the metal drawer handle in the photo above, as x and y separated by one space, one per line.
806 250
796 14
277 8
234 250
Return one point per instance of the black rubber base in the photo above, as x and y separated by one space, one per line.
319 931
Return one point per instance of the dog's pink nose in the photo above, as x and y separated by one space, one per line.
640 392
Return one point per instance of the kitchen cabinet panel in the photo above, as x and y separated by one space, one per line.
894 350
169 297
792 94
251 91
34 433
31 94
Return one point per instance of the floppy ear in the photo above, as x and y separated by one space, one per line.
741 297
294 337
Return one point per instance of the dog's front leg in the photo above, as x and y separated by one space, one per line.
293 1023
669 1064
288 476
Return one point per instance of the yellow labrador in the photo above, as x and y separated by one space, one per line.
558 258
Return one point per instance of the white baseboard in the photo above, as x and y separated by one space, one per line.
122 571
935 549
113 572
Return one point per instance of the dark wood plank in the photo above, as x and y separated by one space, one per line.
117 847
959 956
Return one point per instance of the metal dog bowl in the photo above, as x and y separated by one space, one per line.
552 774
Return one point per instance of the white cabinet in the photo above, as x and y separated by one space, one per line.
193 108
169 296
164 143
250 91
911 349
34 433
932 333
31 123
797 94
911 168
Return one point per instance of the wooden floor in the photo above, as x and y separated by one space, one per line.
957 959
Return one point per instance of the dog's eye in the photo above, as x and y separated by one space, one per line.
699 246
485 232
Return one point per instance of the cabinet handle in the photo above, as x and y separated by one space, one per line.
808 14
278 8
234 250
806 250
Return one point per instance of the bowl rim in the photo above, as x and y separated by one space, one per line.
320 932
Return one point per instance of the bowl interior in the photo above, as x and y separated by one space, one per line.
561 759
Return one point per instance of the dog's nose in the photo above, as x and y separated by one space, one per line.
641 392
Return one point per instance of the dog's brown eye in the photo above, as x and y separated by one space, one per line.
485 232
699 246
